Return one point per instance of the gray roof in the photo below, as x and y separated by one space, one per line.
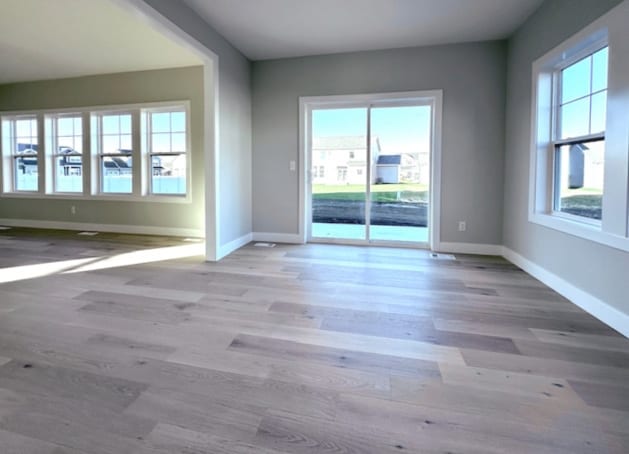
390 159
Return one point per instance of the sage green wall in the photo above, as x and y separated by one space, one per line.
597 269
124 88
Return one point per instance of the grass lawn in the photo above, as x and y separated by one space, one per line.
379 192
587 205
585 201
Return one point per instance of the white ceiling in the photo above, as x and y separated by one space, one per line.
265 29
51 39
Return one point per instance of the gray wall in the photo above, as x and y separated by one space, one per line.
124 88
234 119
596 269
472 77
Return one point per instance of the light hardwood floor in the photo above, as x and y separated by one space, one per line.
105 349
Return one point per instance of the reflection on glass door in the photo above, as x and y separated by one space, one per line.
401 173
339 173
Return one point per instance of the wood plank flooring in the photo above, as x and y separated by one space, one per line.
109 346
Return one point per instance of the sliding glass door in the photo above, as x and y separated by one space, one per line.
370 170
339 173
400 180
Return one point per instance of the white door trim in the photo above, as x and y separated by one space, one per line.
429 97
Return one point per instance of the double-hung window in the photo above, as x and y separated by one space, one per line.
66 132
580 105
21 153
167 151
130 152
115 152
579 161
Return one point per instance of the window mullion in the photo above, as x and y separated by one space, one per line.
2 151
11 159
87 153
51 153
591 94
582 139
137 170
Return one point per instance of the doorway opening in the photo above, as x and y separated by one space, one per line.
371 168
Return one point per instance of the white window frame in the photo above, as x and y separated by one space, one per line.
100 156
613 231
52 149
10 157
91 172
556 140
149 147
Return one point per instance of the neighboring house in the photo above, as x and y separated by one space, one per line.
342 159
27 162
398 168
71 163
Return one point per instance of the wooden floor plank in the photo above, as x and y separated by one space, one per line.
295 349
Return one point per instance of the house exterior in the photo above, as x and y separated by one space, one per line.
338 160
388 168
402 168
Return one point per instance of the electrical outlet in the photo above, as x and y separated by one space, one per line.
292 166
73 209
462 226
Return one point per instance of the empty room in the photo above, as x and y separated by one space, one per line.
312 226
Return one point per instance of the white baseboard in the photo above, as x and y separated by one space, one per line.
230 247
589 303
291 238
112 228
469 248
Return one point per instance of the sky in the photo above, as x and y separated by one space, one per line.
583 96
399 129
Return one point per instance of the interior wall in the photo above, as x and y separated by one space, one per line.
472 77
123 88
234 116
599 270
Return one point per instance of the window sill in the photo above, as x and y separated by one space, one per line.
583 230
98 197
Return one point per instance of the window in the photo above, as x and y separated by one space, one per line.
67 152
579 144
133 152
579 175
167 151
21 152
341 173
579 161
115 153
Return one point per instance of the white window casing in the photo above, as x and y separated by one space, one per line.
91 156
610 30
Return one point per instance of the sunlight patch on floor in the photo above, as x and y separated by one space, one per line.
24 272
